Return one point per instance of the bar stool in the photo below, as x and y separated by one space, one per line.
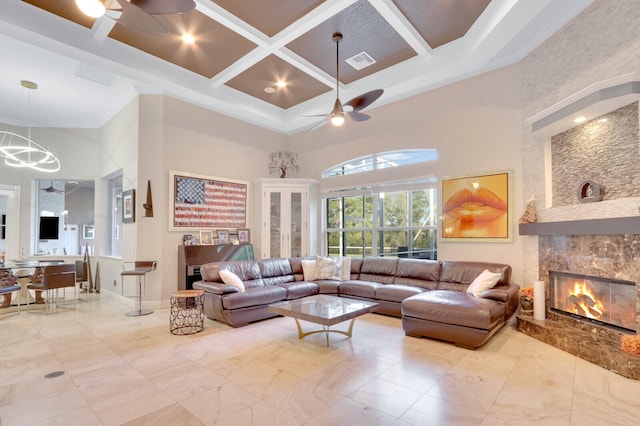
140 270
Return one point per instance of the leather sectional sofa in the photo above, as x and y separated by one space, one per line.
429 296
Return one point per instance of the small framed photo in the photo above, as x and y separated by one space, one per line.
244 236
129 206
88 232
206 238
223 237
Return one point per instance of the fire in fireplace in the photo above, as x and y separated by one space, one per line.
604 301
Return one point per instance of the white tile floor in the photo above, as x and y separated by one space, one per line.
122 370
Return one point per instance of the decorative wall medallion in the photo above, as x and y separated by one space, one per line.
590 192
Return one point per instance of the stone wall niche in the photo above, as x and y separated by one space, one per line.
603 150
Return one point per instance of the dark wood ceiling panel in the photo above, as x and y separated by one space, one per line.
269 16
64 9
364 30
266 73
216 47
442 21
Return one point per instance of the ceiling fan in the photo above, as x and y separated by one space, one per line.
52 189
136 14
338 114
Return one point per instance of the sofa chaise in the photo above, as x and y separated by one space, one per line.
430 296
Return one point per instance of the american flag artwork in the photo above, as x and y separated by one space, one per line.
208 203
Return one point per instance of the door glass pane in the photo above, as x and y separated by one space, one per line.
334 243
395 211
393 243
334 213
296 224
424 244
358 243
276 232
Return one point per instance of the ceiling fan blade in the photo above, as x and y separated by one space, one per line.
319 124
136 18
164 7
361 102
316 115
358 116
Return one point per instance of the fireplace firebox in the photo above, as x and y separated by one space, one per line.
605 301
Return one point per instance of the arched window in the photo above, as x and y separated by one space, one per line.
381 161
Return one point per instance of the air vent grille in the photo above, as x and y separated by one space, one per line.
361 60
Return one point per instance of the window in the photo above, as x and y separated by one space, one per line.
393 224
382 160
114 215
63 208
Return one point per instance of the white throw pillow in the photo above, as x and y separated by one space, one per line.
346 268
328 268
229 278
483 282
309 269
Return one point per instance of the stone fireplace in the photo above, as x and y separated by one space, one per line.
593 240
607 258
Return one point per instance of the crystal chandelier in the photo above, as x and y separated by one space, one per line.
21 151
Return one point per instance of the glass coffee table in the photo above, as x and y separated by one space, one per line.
325 310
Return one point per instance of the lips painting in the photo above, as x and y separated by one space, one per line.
476 207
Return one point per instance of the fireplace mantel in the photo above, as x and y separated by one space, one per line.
608 226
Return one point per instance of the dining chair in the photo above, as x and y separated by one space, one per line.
53 278
8 284
82 277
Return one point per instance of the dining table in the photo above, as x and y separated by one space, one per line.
23 270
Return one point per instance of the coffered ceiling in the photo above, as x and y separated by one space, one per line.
87 69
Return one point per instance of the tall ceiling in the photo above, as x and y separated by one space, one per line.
88 69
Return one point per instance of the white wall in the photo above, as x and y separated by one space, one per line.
118 151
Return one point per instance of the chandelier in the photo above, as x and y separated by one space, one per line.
21 151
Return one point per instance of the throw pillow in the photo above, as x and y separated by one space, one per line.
229 278
346 268
483 282
309 269
328 268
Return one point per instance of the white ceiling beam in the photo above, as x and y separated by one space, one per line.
390 12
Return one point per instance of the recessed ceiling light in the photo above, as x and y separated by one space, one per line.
188 38
92 8
269 89
281 84
580 119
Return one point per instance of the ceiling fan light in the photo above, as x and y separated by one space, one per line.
337 119
92 8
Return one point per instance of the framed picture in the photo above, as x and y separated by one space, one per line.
477 208
206 238
223 237
198 201
244 236
87 232
129 206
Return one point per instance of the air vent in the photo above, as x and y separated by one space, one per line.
360 61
